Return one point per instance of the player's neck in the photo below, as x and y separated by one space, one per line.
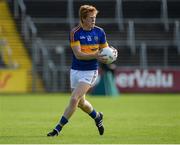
86 28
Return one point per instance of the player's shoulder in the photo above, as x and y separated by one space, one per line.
98 28
75 29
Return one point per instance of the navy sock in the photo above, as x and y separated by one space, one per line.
58 128
93 114
62 122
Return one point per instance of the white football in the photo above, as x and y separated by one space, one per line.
110 53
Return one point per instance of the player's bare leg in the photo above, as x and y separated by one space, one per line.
77 93
98 117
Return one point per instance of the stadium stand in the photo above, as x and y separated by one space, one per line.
2 63
146 33
15 55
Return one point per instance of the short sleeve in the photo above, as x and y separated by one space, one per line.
103 41
74 39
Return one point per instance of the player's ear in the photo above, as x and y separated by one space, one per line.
82 20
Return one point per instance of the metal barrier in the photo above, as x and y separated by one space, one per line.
29 29
177 35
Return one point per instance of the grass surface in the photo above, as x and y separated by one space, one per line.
128 119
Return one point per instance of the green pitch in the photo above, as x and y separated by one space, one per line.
128 119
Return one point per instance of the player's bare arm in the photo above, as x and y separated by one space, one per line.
84 56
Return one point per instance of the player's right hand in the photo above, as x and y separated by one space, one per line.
101 58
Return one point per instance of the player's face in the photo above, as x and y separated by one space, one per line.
90 20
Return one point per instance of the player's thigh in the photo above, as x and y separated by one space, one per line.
81 90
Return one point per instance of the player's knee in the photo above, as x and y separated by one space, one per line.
74 101
81 104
